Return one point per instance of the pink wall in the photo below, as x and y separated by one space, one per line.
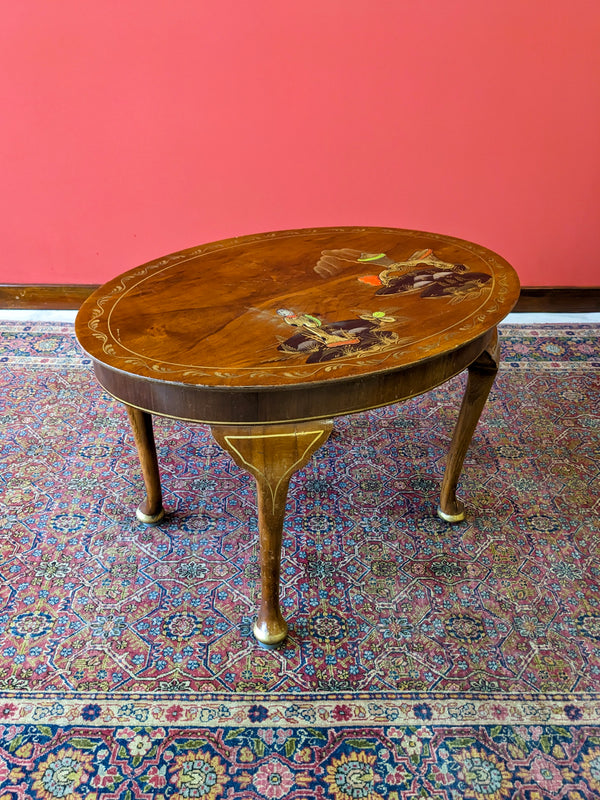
132 129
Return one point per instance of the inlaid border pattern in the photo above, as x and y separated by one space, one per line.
498 291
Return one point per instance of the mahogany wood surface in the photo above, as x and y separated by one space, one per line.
267 337
235 331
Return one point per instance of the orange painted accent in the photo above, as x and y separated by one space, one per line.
346 341
372 280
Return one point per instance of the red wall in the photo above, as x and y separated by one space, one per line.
132 129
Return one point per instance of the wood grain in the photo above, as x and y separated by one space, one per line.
262 311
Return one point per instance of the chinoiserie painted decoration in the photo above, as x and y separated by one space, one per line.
423 273
326 341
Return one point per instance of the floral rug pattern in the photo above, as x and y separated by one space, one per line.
424 660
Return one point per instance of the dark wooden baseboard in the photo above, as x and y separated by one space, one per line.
44 296
559 299
533 299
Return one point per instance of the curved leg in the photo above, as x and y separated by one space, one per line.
481 377
151 509
271 453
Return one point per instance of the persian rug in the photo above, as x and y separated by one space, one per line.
425 660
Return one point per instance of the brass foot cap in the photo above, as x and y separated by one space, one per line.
264 646
451 517
266 640
149 519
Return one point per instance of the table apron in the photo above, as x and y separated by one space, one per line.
251 405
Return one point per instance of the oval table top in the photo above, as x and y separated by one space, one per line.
288 310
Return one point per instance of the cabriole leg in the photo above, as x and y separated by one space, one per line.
271 453
482 373
151 509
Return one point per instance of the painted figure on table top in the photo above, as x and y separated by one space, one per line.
423 273
325 341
